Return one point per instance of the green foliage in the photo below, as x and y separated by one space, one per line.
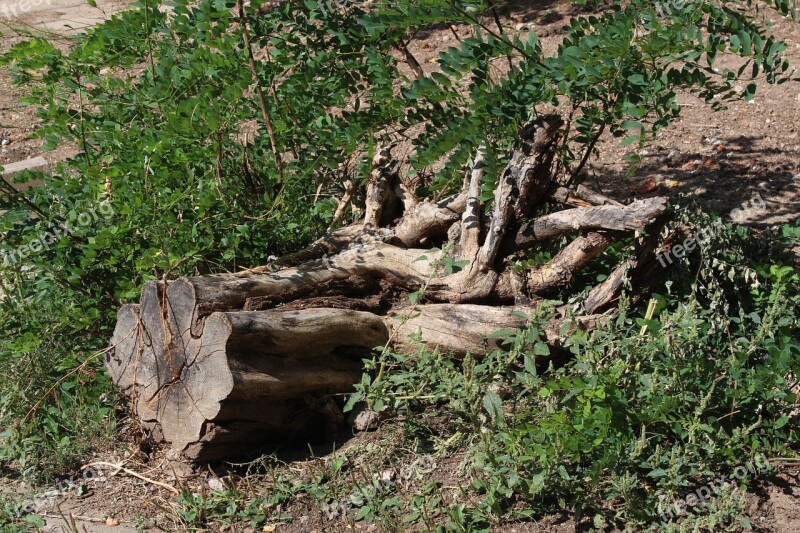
637 420
56 404
222 507
13 518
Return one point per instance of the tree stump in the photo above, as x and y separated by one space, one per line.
223 363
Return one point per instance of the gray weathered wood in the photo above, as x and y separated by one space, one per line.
634 217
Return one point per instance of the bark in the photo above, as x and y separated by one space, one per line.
581 197
465 329
223 363
637 216
427 220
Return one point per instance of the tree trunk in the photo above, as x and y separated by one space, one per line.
222 363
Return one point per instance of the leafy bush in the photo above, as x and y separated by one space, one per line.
647 411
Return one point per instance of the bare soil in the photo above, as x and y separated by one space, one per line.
57 19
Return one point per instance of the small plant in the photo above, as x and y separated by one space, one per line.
222 507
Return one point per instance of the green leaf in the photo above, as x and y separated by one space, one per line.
355 398
502 334
630 140
530 364
494 406
363 513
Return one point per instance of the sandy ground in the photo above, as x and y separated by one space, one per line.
58 16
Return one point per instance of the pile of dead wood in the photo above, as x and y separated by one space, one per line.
219 364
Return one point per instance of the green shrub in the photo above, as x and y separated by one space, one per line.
638 419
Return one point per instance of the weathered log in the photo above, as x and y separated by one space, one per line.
244 360
637 216
222 363
466 329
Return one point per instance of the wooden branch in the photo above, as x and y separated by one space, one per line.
559 271
405 194
330 244
428 219
643 271
581 197
522 185
349 191
637 216
262 101
563 268
471 220
132 473
380 189
410 59
535 181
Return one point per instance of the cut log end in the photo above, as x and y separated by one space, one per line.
242 361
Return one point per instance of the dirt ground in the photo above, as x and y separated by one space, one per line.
57 20
723 161
131 503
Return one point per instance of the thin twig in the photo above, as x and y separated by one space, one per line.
586 155
78 517
68 374
134 474
262 101
502 31
410 59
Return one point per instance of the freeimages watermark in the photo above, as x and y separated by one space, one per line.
54 234
703 235
13 9
63 487
381 485
703 495
665 8
328 7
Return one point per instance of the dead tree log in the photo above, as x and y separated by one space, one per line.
221 363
